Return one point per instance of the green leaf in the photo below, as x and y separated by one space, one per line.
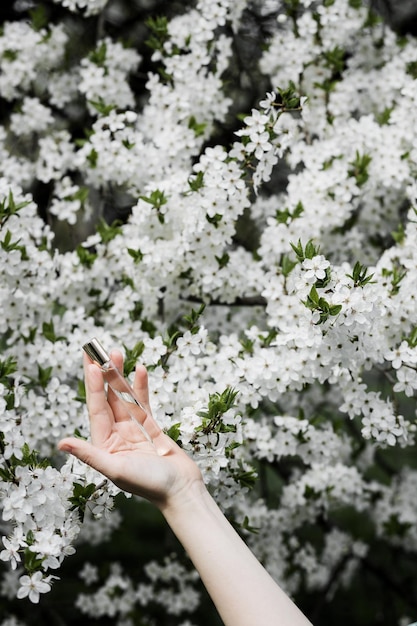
92 158
148 327
215 219
191 320
10 55
247 526
7 474
218 405
412 338
8 366
298 249
101 107
287 265
384 117
360 275
324 305
81 392
247 344
80 496
335 59
131 357
309 252
174 431
271 336
39 17
48 331
395 528
327 85
127 144
323 282
359 168
108 232
44 375
81 194
411 69
284 216
98 56
31 459
335 309
290 99
313 297
30 337
311 494
198 127
223 260
136 255
196 181
33 563
396 274
157 199
9 246
246 478
317 303
159 32
86 257
399 234
298 211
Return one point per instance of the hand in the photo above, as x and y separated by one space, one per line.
118 449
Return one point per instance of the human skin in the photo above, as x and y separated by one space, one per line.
241 589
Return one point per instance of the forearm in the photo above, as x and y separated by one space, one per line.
239 586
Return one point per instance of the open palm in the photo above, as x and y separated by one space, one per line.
119 449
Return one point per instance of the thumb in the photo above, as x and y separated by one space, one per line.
86 452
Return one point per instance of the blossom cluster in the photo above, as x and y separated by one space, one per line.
169 584
290 352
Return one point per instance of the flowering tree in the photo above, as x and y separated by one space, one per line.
256 248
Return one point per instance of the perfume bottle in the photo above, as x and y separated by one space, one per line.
126 395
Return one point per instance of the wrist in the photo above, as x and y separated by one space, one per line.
189 498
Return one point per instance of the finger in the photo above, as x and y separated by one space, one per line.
88 453
141 385
117 358
121 411
100 414
138 474
141 389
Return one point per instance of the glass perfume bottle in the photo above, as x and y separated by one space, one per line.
126 396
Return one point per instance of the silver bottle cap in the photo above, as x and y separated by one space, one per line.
96 352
